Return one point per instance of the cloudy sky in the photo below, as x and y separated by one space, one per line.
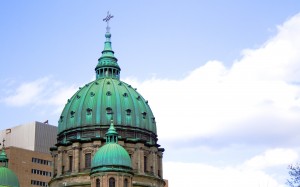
222 79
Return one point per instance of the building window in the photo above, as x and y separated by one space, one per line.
72 113
153 120
41 161
109 110
88 157
112 182
125 183
98 183
39 183
89 111
70 163
145 163
128 111
40 172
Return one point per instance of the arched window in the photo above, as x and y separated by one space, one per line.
98 183
70 163
109 110
112 182
125 183
145 164
88 157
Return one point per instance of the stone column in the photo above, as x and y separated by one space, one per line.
118 180
76 147
154 161
59 162
53 162
105 181
140 158
93 181
161 165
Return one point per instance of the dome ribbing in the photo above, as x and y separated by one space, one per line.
98 101
94 104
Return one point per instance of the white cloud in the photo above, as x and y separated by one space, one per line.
259 94
255 101
41 92
197 174
27 93
271 158
250 173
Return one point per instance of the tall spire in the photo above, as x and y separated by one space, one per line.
107 64
111 135
3 156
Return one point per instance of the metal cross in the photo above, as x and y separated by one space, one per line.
108 17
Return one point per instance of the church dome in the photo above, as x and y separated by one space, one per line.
91 108
8 178
98 101
111 156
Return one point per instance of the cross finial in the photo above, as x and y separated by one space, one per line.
106 19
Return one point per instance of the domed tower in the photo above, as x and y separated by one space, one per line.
7 177
111 164
86 118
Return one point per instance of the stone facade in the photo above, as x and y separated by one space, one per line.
146 164
104 179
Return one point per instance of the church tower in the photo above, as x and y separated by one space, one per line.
86 133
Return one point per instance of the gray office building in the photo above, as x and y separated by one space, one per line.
34 136
28 150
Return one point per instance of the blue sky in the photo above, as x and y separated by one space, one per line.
226 72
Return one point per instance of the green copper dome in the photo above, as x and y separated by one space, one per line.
111 156
96 103
8 178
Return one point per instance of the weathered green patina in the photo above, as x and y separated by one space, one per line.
94 104
111 156
107 64
3 158
8 178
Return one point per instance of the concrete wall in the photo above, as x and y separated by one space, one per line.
45 137
34 136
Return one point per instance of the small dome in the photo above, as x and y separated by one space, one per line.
111 156
8 178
